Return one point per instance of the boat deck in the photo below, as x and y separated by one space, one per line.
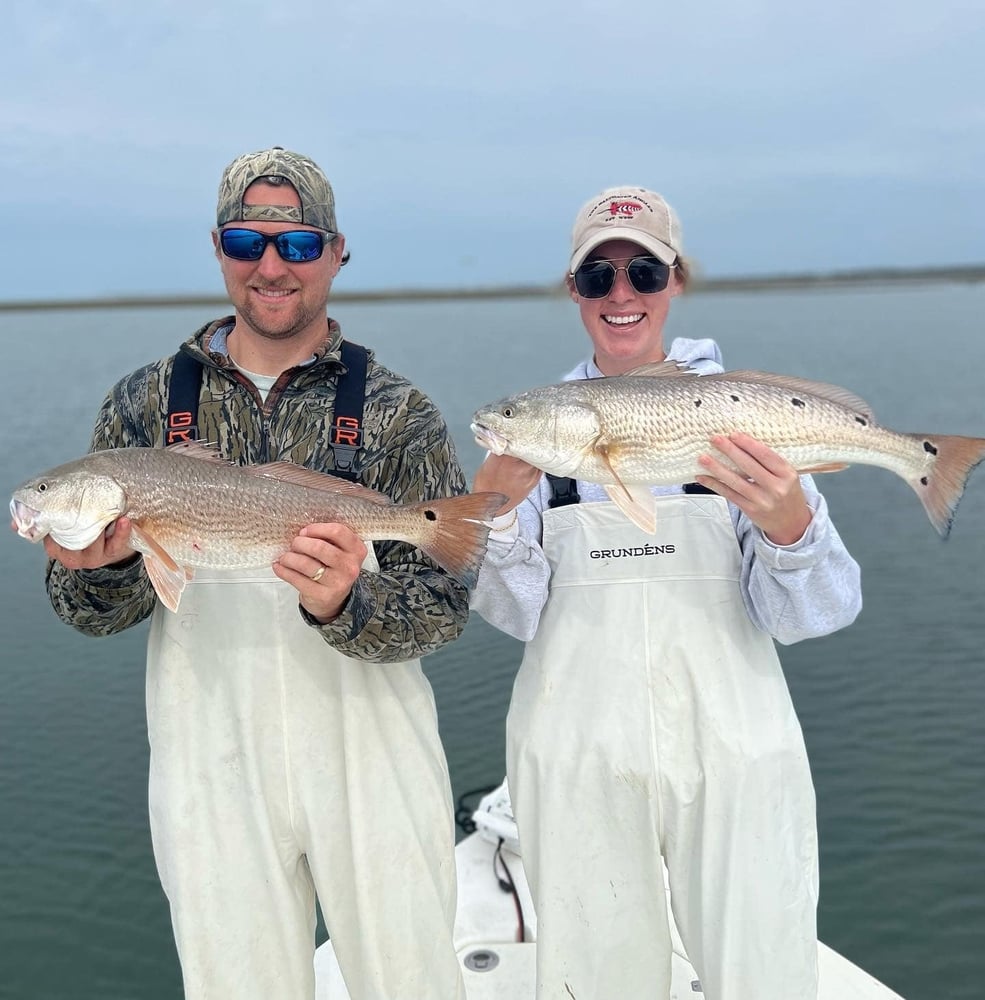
499 962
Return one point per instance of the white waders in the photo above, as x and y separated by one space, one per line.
651 719
280 768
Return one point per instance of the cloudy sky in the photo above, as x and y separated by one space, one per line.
461 138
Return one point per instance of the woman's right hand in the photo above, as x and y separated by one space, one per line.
510 476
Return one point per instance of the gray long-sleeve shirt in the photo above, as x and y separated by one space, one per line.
792 592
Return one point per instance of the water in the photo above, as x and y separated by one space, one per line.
892 708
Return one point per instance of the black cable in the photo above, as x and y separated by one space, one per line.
508 885
463 811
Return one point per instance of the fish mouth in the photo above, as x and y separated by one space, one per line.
487 438
27 521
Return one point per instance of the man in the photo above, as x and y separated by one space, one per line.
283 765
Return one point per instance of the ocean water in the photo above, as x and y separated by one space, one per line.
892 707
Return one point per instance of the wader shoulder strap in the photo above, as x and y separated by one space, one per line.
345 438
183 391
564 491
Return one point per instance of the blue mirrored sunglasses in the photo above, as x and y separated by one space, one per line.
295 247
594 279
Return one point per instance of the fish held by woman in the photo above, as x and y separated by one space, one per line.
190 508
649 426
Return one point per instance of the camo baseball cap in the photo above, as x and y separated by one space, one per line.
627 213
304 175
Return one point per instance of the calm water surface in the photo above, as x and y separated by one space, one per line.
892 707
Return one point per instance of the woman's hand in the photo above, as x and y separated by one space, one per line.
766 488
510 476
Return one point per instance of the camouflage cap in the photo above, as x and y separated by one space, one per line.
305 176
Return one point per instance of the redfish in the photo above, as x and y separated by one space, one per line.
190 508
648 427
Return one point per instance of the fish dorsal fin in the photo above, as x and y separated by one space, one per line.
823 390
298 475
664 369
206 451
791 383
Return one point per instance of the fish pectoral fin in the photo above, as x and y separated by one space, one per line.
637 503
298 475
166 576
824 467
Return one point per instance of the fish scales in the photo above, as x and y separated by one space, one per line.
191 509
177 501
648 428
656 429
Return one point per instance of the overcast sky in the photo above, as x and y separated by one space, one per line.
461 138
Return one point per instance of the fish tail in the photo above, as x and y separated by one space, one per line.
942 486
455 536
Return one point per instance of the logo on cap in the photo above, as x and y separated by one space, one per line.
625 209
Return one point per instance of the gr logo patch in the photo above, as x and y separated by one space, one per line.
180 427
347 431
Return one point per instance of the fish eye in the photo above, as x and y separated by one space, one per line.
42 487
507 411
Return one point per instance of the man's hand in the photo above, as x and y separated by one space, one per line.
322 565
112 546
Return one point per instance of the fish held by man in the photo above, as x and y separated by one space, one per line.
190 508
649 426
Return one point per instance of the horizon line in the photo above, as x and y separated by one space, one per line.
959 273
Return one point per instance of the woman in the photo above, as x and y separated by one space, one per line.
650 723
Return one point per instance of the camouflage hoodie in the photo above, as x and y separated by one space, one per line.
410 607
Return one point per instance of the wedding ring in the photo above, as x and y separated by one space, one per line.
318 574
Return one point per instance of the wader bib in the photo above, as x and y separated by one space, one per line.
651 720
280 768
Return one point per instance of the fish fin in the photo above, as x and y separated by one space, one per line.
823 390
206 451
664 369
298 475
637 503
824 467
456 535
166 576
832 393
940 489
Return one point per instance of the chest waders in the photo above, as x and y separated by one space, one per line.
281 769
651 724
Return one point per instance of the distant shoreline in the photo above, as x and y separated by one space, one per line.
963 274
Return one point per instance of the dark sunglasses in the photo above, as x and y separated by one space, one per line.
296 246
594 279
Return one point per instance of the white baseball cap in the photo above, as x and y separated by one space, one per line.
627 213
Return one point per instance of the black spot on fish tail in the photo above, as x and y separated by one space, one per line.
430 515
930 447
797 402
734 398
861 420
697 402
924 480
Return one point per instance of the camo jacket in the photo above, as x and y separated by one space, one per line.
408 609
